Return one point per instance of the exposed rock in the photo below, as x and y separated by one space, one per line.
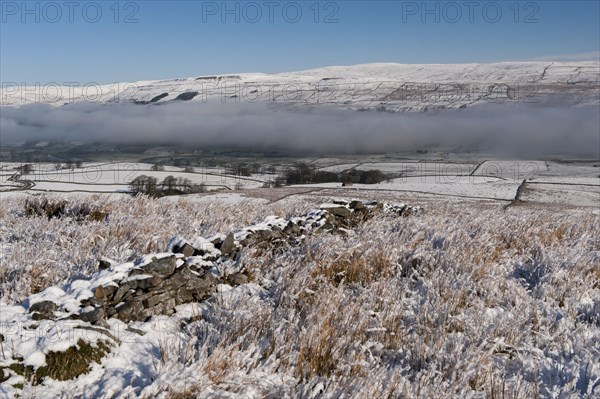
186 249
121 292
43 307
43 310
162 267
37 316
200 247
340 211
93 316
292 229
148 283
155 300
109 290
237 279
357 205
277 232
375 205
180 278
131 310
99 293
249 240
184 295
165 308
327 226
263 235
340 232
228 245
159 97
104 264
195 282
187 96
216 241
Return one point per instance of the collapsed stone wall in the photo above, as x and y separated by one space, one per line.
191 271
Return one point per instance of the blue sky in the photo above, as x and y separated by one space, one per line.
165 39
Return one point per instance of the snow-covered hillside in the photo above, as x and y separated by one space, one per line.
382 86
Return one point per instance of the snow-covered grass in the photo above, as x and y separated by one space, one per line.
466 186
454 302
574 195
52 250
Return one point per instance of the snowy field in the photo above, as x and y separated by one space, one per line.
564 182
452 186
115 177
465 299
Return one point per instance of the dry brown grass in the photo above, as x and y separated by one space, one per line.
39 278
190 393
218 365
316 356
355 268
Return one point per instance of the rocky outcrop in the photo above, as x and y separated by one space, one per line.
187 96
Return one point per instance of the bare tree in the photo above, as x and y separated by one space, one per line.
144 184
169 183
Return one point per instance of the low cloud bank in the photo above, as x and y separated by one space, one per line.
519 130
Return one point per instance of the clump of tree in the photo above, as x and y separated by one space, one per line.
170 185
157 167
69 165
240 169
278 182
373 176
303 173
144 184
243 169
25 169
181 162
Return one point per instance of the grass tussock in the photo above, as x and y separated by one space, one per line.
72 363
355 268
60 366
59 208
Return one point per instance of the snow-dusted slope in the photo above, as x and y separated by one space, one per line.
505 72
389 87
